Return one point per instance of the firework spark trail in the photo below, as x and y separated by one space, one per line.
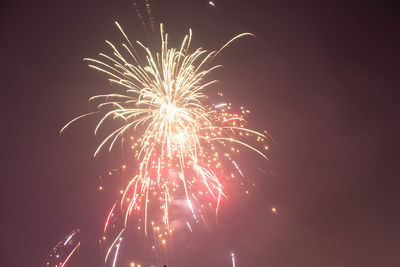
233 259
140 17
164 109
116 254
151 18
113 244
64 250
70 254
109 216
69 238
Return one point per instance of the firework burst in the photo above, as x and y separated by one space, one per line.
183 145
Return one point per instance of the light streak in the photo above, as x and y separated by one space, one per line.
64 249
116 254
112 245
237 167
221 105
69 238
109 216
70 254
188 225
233 119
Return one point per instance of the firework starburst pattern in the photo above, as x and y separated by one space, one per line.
183 145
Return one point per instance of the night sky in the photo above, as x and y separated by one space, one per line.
321 77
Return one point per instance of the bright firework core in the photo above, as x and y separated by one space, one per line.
184 147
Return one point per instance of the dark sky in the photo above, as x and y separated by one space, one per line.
321 77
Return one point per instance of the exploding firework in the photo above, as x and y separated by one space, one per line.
184 146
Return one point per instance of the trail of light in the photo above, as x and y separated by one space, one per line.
69 238
112 245
233 260
70 254
188 225
190 205
242 143
109 216
116 254
233 119
77 118
237 167
221 105
165 219
237 128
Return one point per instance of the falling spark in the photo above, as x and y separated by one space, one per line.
188 225
221 105
109 216
112 245
64 250
116 254
69 238
70 254
151 19
233 119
